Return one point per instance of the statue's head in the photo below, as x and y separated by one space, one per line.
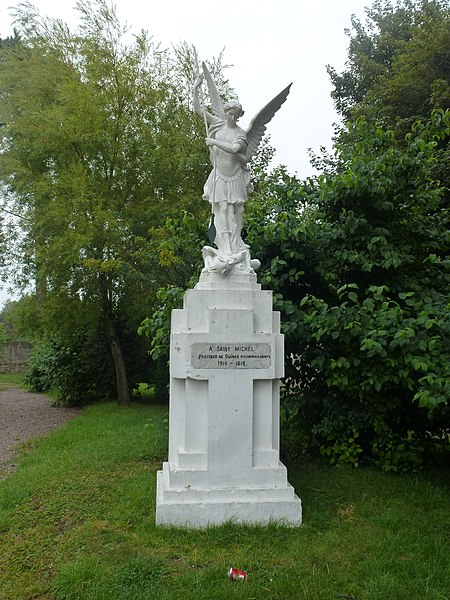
234 106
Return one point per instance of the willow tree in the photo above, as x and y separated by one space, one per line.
98 148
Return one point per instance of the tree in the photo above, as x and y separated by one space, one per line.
397 66
398 69
358 264
98 148
4 215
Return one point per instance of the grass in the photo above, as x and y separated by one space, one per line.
77 523
8 380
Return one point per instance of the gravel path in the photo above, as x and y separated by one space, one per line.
23 416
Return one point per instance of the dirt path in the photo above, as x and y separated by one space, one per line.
23 416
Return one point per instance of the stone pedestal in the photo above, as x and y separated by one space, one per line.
226 359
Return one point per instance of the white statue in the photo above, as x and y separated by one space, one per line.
228 184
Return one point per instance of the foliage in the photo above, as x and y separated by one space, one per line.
157 328
76 365
76 369
10 321
99 148
388 203
388 364
5 324
358 261
176 247
397 64
38 374
102 511
398 70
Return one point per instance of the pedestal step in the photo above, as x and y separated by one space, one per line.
199 508
256 477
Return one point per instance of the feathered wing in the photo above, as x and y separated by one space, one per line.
258 124
214 95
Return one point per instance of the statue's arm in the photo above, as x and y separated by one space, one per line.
196 101
231 148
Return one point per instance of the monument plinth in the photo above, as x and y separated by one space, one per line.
226 358
226 361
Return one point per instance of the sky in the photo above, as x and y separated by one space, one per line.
269 45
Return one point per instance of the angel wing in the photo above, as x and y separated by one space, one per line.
258 124
214 95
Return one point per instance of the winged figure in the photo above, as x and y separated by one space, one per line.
231 147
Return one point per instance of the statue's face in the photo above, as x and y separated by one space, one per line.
232 115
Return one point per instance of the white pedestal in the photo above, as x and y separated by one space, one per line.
226 359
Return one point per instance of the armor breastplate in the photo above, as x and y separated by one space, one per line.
227 164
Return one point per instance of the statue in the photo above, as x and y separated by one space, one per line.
228 184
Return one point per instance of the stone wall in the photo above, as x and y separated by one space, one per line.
13 356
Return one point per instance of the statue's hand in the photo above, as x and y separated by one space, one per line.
198 81
210 141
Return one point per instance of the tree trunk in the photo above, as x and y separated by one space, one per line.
123 393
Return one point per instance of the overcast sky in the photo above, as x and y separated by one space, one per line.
270 43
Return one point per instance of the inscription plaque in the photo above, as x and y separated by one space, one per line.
231 356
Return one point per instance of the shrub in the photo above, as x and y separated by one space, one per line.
358 261
78 369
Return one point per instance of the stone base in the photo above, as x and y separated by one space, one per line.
200 508
226 362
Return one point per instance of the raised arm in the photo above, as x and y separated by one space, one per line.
199 109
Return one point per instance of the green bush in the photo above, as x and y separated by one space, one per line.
157 328
38 374
78 370
358 260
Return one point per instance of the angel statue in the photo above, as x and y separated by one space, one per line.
228 184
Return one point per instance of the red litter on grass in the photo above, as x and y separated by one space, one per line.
237 574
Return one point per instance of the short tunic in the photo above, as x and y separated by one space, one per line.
229 181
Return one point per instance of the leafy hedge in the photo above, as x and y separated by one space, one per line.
359 263
78 370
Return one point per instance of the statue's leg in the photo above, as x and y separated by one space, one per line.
239 216
223 234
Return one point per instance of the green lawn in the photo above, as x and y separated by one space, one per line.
8 380
77 522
